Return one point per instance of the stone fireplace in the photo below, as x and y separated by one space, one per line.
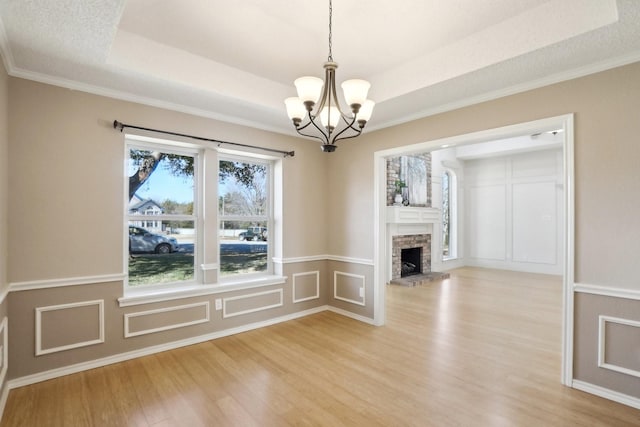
416 249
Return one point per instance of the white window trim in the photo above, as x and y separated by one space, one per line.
270 163
180 148
453 215
171 291
148 296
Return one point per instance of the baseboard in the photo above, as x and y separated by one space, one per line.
351 315
79 367
625 399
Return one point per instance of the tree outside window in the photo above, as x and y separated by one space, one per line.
160 218
446 213
245 216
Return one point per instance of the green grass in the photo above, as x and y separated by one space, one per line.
152 269
235 263
157 269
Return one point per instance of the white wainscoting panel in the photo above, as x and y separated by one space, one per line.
602 343
41 310
204 319
315 275
534 222
361 287
279 302
487 237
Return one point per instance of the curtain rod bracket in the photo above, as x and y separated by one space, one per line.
120 126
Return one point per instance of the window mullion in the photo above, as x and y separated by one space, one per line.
162 217
243 218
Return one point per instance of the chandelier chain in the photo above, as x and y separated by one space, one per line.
330 58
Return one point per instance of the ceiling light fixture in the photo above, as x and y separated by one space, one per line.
334 124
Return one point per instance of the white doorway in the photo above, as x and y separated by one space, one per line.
563 123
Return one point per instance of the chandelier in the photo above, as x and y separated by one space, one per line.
305 111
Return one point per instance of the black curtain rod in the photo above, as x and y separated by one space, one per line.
120 126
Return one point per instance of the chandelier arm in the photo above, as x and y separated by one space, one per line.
347 127
333 91
346 137
312 121
349 121
323 140
325 89
326 135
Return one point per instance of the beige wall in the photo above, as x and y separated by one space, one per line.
4 189
607 181
606 154
4 176
66 204
66 199
65 209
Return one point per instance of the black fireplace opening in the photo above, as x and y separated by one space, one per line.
411 261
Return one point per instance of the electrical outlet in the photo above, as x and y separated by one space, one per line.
218 304
361 292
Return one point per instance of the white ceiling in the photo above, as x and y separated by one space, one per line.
236 61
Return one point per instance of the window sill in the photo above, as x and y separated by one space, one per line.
148 296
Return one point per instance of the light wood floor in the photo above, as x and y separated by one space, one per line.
479 349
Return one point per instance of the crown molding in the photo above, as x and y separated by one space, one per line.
515 89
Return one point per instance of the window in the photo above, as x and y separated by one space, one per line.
245 216
171 246
446 214
161 217
449 215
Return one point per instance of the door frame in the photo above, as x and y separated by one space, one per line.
564 122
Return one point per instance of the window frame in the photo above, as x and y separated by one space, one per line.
453 215
172 147
268 218
206 257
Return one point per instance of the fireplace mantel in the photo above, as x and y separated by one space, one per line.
413 215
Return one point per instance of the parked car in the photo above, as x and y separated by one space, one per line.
141 240
254 233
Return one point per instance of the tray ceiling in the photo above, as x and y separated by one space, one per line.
236 61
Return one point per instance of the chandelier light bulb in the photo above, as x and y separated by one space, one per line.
295 108
309 88
329 116
355 92
366 110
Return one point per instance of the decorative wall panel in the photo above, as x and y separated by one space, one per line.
251 303
349 287
163 319
306 286
66 326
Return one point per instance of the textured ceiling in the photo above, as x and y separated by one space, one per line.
236 61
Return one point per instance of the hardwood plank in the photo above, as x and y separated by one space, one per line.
481 348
